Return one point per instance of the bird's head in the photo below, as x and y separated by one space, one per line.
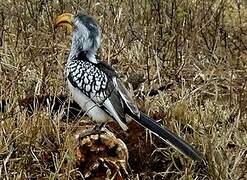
85 30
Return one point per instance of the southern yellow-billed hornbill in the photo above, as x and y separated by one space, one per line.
95 86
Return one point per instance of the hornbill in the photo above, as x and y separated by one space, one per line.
96 87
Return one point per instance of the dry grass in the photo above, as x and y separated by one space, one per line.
197 46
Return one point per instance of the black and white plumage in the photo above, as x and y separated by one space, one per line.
96 88
93 87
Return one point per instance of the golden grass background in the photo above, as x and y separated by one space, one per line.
197 47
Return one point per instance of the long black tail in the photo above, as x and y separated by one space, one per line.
168 136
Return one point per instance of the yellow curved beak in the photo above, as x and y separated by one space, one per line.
65 19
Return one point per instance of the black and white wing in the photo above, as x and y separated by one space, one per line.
99 82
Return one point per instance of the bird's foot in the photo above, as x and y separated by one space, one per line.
98 129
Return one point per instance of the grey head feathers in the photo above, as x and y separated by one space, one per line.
86 36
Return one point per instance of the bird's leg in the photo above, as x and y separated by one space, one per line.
95 130
98 127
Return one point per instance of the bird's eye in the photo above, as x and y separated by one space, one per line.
92 25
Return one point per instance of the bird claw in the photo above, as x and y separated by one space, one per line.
98 129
